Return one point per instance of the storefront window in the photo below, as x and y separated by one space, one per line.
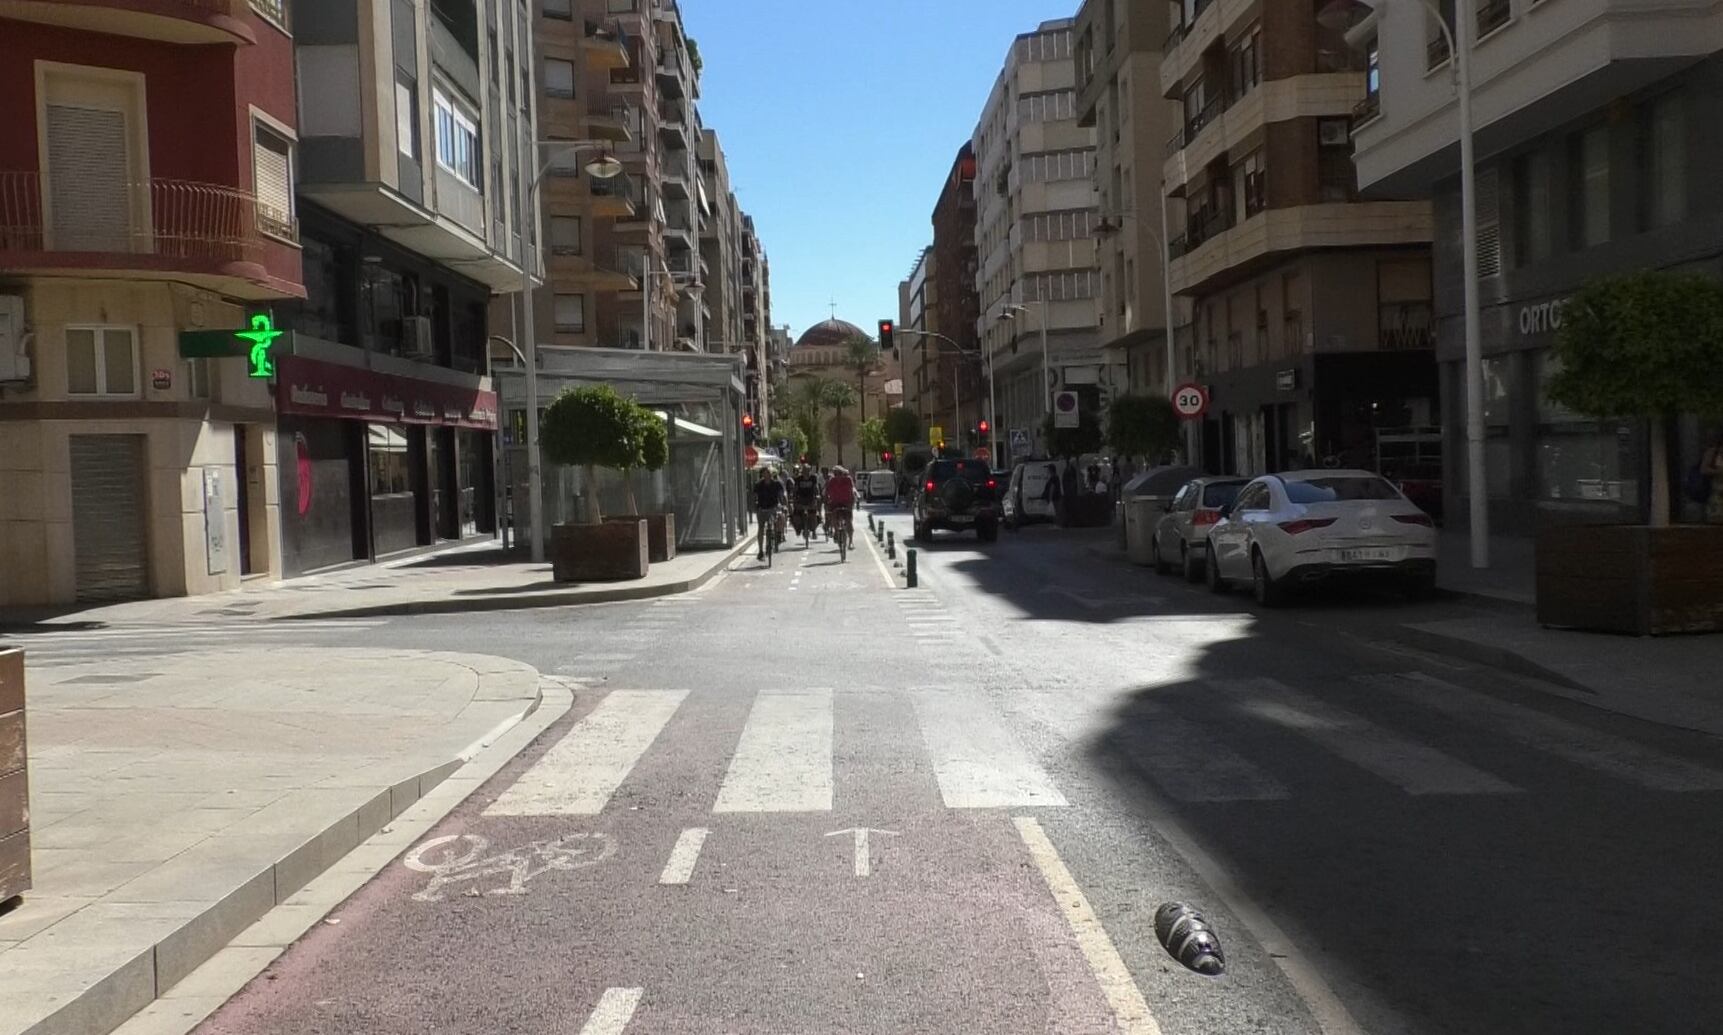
391 472
1580 458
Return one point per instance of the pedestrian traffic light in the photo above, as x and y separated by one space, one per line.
982 429
885 332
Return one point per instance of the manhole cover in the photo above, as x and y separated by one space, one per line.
109 680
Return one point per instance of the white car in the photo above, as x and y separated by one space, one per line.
1306 526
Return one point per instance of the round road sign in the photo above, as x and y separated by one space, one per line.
1190 400
983 453
751 456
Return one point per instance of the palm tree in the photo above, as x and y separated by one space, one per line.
863 359
807 401
838 395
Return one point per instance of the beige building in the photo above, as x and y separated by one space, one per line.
822 352
1118 55
1311 304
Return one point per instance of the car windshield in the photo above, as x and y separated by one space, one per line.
974 470
1216 496
1339 489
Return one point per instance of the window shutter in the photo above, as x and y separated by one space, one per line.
1489 243
88 160
274 185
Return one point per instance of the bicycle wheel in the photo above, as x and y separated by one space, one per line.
843 539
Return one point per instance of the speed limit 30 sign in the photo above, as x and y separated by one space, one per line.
1190 400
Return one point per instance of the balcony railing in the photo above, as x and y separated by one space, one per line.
1406 325
176 219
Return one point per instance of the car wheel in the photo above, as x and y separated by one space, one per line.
1192 562
987 531
1268 592
1155 556
1211 571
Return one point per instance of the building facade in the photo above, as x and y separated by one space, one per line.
822 353
1311 305
1593 137
146 192
1118 55
953 309
1035 203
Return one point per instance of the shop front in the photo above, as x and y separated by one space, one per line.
379 455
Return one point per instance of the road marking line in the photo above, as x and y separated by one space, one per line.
879 560
684 856
580 772
1409 765
1130 1009
1579 744
614 1010
863 862
978 763
783 762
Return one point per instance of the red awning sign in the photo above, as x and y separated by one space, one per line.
314 388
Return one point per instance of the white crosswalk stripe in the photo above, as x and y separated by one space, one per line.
783 762
1579 744
1413 767
1190 764
580 772
978 763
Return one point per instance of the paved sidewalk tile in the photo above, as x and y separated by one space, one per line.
172 813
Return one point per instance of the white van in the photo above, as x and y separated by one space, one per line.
878 485
1026 495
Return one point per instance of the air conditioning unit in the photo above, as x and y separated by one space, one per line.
14 342
416 337
1333 132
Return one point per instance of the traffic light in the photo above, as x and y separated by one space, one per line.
885 331
885 457
982 429
748 421
748 432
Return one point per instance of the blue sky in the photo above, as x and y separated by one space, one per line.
840 121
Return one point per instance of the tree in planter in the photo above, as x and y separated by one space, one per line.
873 437
1086 437
653 435
589 428
1144 426
1646 344
902 425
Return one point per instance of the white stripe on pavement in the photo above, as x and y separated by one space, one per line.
1192 766
1413 767
615 1009
783 762
1130 1009
683 856
978 763
1579 744
580 772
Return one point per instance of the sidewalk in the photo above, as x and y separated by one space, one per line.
177 799
1511 576
460 579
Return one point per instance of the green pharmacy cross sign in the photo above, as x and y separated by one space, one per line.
255 344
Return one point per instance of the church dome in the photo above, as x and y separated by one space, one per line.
833 333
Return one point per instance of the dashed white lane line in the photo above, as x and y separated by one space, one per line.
1130 1009
684 856
615 1009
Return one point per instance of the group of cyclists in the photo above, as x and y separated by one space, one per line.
805 500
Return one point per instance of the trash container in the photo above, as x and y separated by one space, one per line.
14 786
1141 514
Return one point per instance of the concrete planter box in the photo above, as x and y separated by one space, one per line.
1631 578
611 551
660 534
14 780
1085 510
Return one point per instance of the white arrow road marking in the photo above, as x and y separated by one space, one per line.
615 1009
684 856
864 864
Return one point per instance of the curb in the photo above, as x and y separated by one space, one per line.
129 998
550 598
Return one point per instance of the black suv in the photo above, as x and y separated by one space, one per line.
959 495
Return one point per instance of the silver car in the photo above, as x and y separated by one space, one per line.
1181 536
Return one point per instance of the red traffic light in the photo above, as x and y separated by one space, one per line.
747 420
984 427
885 325
885 457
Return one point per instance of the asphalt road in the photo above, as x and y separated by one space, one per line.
1045 746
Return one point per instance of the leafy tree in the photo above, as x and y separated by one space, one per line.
863 358
1647 344
806 407
902 425
593 427
654 437
873 438
836 395
1143 426
1084 438
798 441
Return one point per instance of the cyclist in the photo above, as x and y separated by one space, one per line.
768 495
840 499
807 502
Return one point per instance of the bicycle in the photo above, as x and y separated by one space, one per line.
841 527
768 535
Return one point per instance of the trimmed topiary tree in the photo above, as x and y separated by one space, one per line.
589 428
1086 437
1648 345
902 426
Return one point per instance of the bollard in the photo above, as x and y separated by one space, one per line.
891 545
870 520
879 533
1189 939
909 566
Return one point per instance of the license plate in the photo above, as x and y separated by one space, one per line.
1366 554
961 519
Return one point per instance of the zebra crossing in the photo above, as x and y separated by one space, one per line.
929 621
81 646
781 759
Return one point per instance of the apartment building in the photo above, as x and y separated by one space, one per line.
756 315
147 154
1311 304
921 392
1118 55
954 306
1034 165
720 248
1594 138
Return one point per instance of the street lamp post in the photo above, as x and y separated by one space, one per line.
1346 15
604 167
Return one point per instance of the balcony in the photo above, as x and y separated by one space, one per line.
1217 252
627 82
168 21
612 198
678 234
672 72
1239 123
1183 60
673 129
605 270
206 234
605 47
676 183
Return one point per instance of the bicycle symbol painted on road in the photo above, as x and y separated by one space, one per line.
460 858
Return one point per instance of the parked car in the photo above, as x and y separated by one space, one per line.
1181 535
1026 495
958 495
878 485
1307 526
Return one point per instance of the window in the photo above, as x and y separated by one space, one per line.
274 10
198 379
1046 166
1663 162
407 118
1591 187
457 141
559 9
1246 61
558 77
1047 106
1532 207
101 361
565 235
571 314
272 172
1341 488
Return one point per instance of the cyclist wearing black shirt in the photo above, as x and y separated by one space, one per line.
768 496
